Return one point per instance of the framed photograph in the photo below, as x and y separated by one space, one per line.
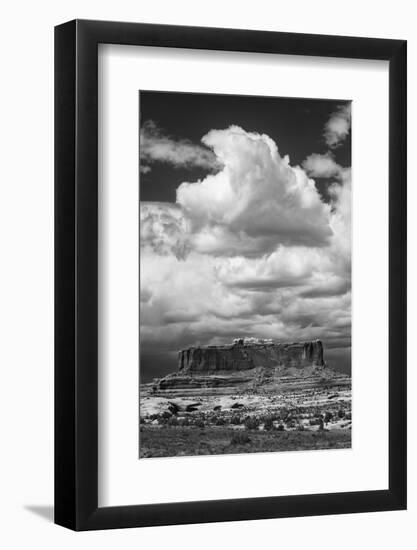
230 254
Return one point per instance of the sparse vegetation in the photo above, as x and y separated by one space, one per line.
220 422
268 423
327 417
184 421
199 423
236 420
179 441
240 438
251 423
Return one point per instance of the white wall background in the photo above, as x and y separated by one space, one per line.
26 275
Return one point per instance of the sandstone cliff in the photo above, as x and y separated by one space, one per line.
242 355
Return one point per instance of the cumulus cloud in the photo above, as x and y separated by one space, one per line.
338 126
256 202
163 228
341 197
180 153
286 267
144 169
321 166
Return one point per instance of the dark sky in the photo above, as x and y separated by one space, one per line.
296 125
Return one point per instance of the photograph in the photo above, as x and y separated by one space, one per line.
245 274
208 333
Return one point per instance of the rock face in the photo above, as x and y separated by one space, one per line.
244 355
250 365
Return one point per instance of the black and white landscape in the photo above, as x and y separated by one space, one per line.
245 274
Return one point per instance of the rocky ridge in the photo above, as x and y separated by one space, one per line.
250 365
245 354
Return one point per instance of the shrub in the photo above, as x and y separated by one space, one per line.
220 422
160 420
216 420
284 412
280 428
240 438
268 423
184 421
341 413
173 421
199 423
236 420
327 417
251 423
300 428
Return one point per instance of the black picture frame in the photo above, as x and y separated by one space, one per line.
76 272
